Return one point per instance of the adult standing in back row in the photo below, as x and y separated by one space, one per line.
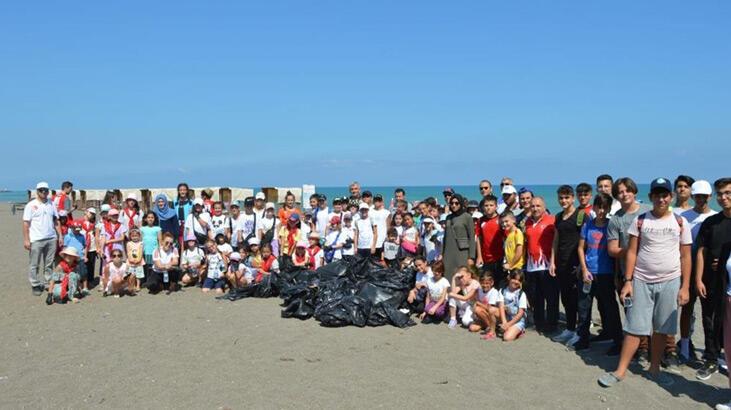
41 235
459 237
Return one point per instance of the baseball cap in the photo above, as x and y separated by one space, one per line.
335 220
235 256
113 212
363 206
269 205
254 241
91 210
701 187
106 207
260 196
302 244
472 204
368 194
427 221
234 204
294 217
42 185
249 201
659 184
448 190
62 213
132 197
523 190
378 197
508 190
322 197
308 212
198 201
75 225
347 216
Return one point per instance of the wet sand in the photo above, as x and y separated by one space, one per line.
188 350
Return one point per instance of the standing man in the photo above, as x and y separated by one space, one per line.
701 192
41 235
565 261
509 199
656 281
714 234
525 196
62 199
542 289
354 189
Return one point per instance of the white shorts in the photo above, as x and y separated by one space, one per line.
464 310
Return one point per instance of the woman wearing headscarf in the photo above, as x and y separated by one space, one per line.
459 237
182 205
166 216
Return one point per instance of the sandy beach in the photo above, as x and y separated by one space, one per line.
189 350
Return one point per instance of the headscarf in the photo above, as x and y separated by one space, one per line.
460 198
164 213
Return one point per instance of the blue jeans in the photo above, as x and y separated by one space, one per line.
542 291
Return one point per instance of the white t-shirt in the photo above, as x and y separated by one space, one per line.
658 254
380 220
216 265
437 287
365 233
265 224
192 258
510 296
192 222
695 220
318 258
219 224
41 216
225 249
322 221
432 248
335 238
349 233
124 218
247 224
390 250
410 234
160 255
423 277
491 297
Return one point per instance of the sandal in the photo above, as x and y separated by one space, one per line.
608 380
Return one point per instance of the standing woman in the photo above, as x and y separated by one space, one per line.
167 218
288 209
459 237
182 205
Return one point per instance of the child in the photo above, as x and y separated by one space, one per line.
462 296
513 303
514 242
269 263
88 229
253 259
236 273
289 235
113 234
436 296
431 239
301 258
115 274
366 232
417 295
349 234
390 249
397 222
135 258
597 269
165 268
334 241
75 239
317 256
583 194
267 226
192 263
220 224
215 274
486 312
151 239
64 279
222 246
410 237
131 217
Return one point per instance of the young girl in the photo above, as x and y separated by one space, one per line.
131 216
486 312
99 240
236 273
215 274
417 295
333 241
219 223
192 263
113 235
135 258
268 226
317 256
253 260
64 279
390 249
348 234
269 263
436 296
288 209
513 303
301 258
88 229
222 246
462 296
151 240
289 235
410 237
397 222
115 274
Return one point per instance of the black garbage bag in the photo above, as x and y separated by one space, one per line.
336 269
350 310
398 318
302 305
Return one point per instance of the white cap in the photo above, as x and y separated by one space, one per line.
363 205
269 205
476 215
198 201
254 241
427 220
132 196
701 187
106 208
62 213
235 256
260 195
508 189
42 185
91 210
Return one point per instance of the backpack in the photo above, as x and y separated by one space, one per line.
641 221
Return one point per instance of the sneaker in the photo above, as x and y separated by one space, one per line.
723 406
574 339
614 350
452 323
671 363
643 357
722 365
85 292
581 345
705 372
661 378
37 290
601 337
608 380
564 336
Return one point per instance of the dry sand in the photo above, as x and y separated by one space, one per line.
188 350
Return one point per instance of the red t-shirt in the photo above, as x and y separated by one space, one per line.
539 241
491 239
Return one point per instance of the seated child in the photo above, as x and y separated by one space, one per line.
192 263
237 271
513 304
216 272
486 311
462 296
317 256
436 297
301 258
116 273
417 296
224 247
269 263
77 239
64 279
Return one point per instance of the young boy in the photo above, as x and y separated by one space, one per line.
654 286
514 243
390 249
490 239
583 193
366 233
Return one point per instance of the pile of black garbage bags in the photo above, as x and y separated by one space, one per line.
352 291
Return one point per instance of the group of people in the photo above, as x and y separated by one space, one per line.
490 265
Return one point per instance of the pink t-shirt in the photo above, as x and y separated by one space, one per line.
658 254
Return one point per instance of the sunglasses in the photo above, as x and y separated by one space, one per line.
116 255
484 188
167 243
455 203
44 190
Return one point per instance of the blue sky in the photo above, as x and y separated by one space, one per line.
408 93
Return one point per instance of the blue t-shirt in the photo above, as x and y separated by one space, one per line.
149 239
75 241
597 259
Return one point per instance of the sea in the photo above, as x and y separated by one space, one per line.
413 193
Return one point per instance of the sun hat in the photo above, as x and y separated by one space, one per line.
208 192
701 187
427 220
70 251
301 244
91 210
198 201
106 207
113 212
131 196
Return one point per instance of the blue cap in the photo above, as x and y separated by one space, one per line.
524 190
661 184
295 216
